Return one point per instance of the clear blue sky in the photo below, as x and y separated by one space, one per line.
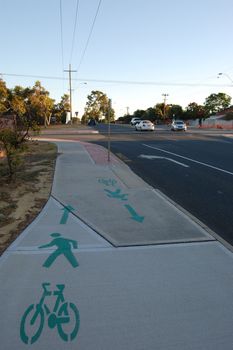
174 43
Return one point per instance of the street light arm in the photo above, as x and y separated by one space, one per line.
226 75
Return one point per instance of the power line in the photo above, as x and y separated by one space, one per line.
124 82
89 36
61 34
62 44
32 76
74 31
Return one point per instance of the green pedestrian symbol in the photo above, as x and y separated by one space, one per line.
64 246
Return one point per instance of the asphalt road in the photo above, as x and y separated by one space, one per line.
195 169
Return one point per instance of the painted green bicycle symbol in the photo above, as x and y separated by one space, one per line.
64 316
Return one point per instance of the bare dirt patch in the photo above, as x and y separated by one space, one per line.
21 200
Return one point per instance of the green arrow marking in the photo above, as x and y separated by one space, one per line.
133 213
65 215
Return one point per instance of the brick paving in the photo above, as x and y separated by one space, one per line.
99 154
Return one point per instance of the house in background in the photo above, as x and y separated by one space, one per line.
220 120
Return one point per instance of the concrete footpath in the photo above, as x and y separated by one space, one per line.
111 263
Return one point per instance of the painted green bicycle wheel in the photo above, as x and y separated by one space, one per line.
36 327
70 310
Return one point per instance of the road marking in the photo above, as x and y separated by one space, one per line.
65 215
134 214
64 246
122 196
191 160
158 157
30 330
117 194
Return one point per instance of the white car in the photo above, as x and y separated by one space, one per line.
134 121
145 125
178 125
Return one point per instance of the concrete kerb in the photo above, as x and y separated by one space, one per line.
67 131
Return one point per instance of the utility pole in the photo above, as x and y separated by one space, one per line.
165 100
70 71
127 109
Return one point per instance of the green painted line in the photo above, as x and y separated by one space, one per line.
65 215
134 214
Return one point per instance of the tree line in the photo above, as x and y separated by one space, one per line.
32 105
25 110
22 111
162 112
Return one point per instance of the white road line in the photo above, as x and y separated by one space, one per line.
146 156
179 163
191 160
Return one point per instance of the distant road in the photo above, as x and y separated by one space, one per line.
195 169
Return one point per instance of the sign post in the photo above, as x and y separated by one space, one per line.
109 130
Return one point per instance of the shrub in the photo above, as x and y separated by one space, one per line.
8 140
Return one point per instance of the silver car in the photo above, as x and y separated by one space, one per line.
178 125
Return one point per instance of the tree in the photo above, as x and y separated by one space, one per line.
97 107
60 109
8 141
29 108
162 110
195 111
125 119
24 106
13 136
3 97
150 114
216 102
31 105
40 105
139 113
175 112
15 109
19 100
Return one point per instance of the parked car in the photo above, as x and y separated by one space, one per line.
92 122
145 125
178 125
134 121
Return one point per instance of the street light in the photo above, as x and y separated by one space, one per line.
82 83
226 75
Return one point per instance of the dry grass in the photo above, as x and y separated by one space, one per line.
22 199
